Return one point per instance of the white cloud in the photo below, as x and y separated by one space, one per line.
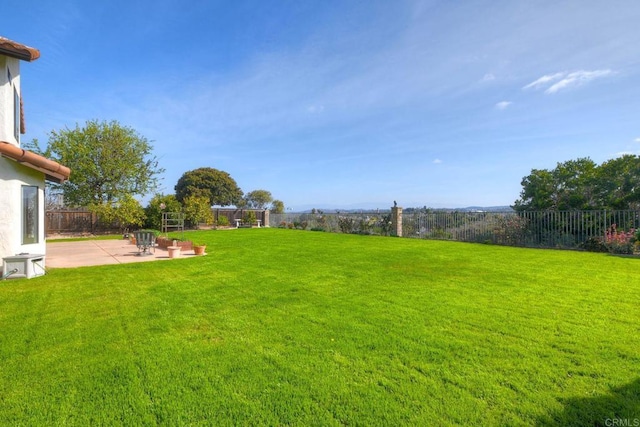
544 80
488 77
437 161
561 81
578 78
503 105
637 140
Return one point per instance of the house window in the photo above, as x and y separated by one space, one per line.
29 214
16 114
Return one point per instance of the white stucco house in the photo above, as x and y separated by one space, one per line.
22 174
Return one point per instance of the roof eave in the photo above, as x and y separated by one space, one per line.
53 171
17 50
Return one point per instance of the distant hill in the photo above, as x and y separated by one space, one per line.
467 209
334 210
487 209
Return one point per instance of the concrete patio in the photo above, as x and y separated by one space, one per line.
100 252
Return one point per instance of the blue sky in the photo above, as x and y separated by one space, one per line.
344 103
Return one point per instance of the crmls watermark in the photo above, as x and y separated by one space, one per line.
622 422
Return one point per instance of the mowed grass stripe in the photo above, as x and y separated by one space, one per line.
281 327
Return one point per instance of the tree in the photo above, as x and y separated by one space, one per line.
216 185
582 185
258 199
197 209
127 212
537 190
620 179
277 206
157 205
108 161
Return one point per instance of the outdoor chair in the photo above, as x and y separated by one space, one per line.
145 241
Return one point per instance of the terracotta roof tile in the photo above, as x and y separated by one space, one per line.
17 50
53 171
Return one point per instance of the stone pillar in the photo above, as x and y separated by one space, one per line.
265 218
396 221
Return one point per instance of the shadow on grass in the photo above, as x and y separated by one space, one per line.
620 407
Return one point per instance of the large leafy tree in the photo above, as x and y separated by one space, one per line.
620 186
277 206
258 199
582 184
108 162
215 185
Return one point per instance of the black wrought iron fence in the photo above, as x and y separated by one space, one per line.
374 223
542 229
550 229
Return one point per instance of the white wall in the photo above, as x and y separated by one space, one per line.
12 177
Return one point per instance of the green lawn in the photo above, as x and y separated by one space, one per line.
285 327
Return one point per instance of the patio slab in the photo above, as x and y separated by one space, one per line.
100 252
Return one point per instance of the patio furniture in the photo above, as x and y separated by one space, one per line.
145 240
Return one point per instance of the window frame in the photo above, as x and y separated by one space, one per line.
30 214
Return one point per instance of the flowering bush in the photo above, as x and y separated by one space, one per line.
620 241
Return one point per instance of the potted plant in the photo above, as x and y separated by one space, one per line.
163 242
185 245
199 249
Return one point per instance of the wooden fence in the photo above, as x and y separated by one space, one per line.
75 221
79 221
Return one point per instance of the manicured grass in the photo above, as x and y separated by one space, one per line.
284 327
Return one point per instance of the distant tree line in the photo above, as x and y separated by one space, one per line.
583 185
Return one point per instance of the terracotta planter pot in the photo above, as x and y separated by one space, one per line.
199 250
174 251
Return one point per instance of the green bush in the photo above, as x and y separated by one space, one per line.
594 244
160 203
250 217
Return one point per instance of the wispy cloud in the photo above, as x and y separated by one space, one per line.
561 81
436 161
542 81
578 78
637 140
488 77
503 105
